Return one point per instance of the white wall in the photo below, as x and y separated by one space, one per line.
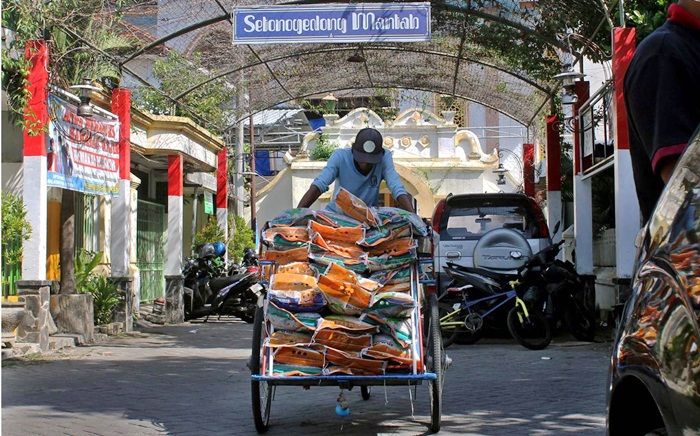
12 177
278 199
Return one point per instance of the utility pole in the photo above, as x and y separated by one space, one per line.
239 179
251 131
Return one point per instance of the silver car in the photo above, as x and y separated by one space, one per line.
460 222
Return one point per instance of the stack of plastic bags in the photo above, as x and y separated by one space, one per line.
339 301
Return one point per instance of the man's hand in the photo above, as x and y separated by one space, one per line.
310 197
404 202
667 167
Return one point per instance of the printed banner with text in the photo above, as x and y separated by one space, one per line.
83 153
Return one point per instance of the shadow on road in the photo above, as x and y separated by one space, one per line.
192 379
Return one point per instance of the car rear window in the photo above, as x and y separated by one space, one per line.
465 222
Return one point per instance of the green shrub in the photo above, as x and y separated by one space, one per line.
209 233
242 238
105 294
85 262
323 149
105 298
15 228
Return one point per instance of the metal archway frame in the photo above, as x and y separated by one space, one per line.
454 61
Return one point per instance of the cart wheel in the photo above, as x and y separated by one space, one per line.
366 392
261 391
434 360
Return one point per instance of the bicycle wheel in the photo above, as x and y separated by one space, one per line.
530 329
261 391
366 393
434 360
448 333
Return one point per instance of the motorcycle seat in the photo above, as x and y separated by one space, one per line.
220 283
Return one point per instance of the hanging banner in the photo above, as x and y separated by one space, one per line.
329 23
83 153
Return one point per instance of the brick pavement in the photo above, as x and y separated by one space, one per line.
192 380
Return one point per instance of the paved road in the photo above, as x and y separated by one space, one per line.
192 380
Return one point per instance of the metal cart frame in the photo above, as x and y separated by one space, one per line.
427 350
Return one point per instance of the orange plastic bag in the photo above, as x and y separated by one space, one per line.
396 247
345 250
284 257
356 208
299 356
341 340
353 361
347 235
297 268
291 234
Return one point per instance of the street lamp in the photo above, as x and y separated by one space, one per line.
568 79
329 103
501 170
85 109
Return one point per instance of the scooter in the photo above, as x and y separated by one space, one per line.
207 293
566 299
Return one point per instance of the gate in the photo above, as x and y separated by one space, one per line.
149 249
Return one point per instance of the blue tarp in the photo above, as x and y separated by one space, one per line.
262 163
316 123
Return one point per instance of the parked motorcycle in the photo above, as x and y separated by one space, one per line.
565 298
208 292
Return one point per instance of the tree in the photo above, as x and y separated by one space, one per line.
66 25
176 75
242 238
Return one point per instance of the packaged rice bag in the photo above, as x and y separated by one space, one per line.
394 215
281 338
300 254
338 273
336 370
326 217
396 287
345 235
310 300
376 236
292 282
346 323
344 298
295 292
342 340
290 234
348 251
386 348
356 208
280 244
392 304
324 258
282 370
282 319
293 217
386 262
394 247
357 364
303 268
300 356
397 328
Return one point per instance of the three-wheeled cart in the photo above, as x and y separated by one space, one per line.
427 351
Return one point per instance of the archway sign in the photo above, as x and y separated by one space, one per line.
332 23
